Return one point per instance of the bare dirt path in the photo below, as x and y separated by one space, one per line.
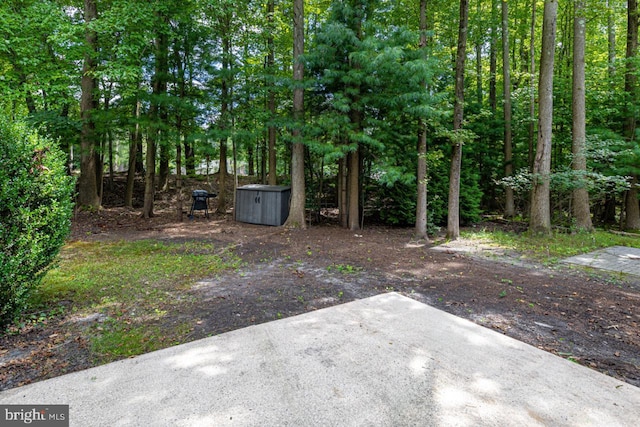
589 317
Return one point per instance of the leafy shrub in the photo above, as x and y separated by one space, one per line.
35 212
396 204
391 205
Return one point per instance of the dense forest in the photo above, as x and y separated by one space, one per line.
424 112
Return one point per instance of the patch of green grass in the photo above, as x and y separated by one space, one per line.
97 274
553 247
118 340
132 283
344 268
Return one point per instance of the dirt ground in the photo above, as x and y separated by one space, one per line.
589 317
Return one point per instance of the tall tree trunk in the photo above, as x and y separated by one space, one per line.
581 210
493 60
421 202
99 154
223 171
150 175
251 166
139 155
134 140
271 98
108 135
159 85
164 143
224 113
189 152
182 94
107 146
179 203
453 219
607 214
354 160
342 193
354 163
189 158
540 220
632 221
532 85
479 41
509 207
611 40
353 190
263 162
111 160
165 154
87 183
298 196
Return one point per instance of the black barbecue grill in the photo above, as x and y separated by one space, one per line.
201 202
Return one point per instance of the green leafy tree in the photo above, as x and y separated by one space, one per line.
38 67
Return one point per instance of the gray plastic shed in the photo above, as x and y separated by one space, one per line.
262 204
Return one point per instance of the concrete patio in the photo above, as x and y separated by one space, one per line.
383 361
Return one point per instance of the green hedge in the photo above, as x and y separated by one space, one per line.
35 213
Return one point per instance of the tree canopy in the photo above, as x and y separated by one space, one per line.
179 83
